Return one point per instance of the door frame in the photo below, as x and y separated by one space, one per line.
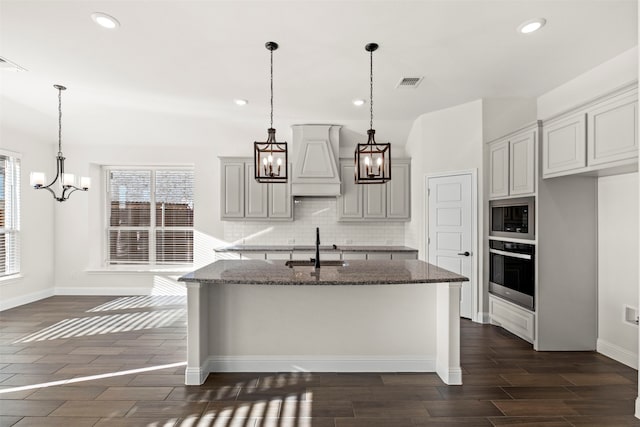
477 254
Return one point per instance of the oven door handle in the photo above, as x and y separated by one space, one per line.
510 254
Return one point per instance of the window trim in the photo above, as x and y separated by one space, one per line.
152 265
16 231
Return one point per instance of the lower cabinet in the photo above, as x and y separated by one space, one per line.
513 318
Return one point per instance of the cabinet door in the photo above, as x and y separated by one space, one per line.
255 203
521 163
350 202
232 190
375 201
399 192
613 130
499 169
564 145
280 200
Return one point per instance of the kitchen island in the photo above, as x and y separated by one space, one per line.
352 316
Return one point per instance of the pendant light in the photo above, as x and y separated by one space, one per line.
66 181
372 160
270 157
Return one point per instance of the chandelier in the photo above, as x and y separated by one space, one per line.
372 160
66 181
270 157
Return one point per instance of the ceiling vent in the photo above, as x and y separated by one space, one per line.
7 65
409 82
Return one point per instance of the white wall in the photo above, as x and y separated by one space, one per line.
80 222
617 267
607 76
448 140
37 223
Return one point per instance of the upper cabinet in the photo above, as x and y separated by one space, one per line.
243 198
374 202
512 164
598 136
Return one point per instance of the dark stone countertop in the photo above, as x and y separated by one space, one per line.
311 248
258 272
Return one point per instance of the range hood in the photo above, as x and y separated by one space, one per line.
314 154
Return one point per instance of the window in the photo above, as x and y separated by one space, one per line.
9 214
149 216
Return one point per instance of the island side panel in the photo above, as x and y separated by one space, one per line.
340 328
197 333
448 335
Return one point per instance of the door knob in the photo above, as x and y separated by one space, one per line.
465 253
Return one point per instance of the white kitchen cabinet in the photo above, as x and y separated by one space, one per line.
255 201
612 133
499 169
375 202
399 191
564 145
513 318
243 198
595 138
522 163
280 200
350 201
404 255
348 256
232 189
379 256
512 164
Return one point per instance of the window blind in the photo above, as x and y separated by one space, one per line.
9 215
150 218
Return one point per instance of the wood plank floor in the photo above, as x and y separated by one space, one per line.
119 361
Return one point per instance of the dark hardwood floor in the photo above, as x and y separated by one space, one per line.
119 361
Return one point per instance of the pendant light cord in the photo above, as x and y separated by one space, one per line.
271 89
59 122
371 89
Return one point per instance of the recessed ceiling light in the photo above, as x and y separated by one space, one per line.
240 101
531 25
105 21
359 102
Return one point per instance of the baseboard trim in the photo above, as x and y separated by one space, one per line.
617 353
7 304
452 376
319 364
97 291
638 407
195 376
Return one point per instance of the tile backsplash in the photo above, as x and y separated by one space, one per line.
309 213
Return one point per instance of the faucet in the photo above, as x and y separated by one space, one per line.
317 260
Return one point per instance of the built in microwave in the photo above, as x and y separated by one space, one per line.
512 218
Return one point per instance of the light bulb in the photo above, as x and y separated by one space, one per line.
37 179
379 161
279 162
264 161
85 182
367 161
270 158
68 179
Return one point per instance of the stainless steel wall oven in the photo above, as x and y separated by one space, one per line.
512 272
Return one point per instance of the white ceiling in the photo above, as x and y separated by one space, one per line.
173 68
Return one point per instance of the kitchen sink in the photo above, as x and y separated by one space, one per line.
311 263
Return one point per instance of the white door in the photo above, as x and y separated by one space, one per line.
449 233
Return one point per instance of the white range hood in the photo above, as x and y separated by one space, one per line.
314 154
